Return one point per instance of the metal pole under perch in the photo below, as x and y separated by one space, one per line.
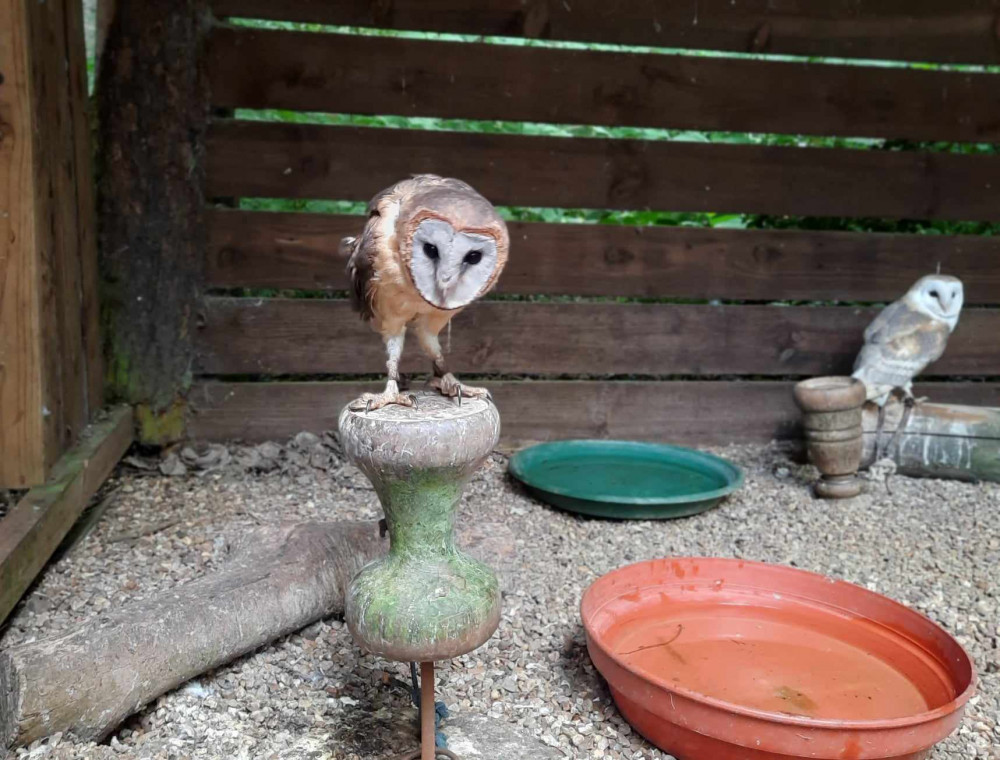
426 600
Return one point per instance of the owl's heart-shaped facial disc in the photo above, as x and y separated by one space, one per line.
942 295
939 296
450 268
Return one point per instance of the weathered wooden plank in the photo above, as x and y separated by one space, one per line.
61 124
33 529
58 269
48 290
291 250
32 411
252 68
22 436
960 31
309 336
270 159
686 412
939 441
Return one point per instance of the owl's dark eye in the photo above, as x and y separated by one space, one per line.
473 257
431 250
933 294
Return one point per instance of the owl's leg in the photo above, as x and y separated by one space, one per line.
908 403
878 433
443 381
391 394
908 396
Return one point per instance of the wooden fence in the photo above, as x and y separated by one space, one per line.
707 372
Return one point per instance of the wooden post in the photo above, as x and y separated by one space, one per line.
153 106
427 738
50 375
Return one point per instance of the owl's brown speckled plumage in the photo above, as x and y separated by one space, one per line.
395 285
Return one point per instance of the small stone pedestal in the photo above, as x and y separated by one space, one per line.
425 600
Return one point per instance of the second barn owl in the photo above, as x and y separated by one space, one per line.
431 246
907 336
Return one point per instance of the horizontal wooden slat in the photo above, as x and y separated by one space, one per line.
384 75
279 250
961 31
307 336
698 413
269 159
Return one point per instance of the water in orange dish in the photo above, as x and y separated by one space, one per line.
768 654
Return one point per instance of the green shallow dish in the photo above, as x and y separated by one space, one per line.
625 480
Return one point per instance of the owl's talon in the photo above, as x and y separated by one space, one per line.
370 402
448 385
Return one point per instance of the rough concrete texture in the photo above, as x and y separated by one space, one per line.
474 736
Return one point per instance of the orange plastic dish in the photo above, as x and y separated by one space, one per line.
722 659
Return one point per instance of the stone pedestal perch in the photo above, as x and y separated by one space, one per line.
831 417
426 600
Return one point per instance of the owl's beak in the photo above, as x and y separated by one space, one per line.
446 282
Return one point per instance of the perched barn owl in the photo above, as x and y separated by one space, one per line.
430 247
905 337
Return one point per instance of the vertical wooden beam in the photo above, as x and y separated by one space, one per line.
153 101
27 432
49 381
55 188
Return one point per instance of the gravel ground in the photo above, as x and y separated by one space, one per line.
934 545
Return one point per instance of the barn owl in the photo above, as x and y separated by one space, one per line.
430 247
904 338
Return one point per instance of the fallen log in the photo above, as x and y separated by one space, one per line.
939 440
278 580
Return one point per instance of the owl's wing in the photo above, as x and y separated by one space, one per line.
363 250
884 321
899 344
360 269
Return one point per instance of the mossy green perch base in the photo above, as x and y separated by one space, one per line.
425 600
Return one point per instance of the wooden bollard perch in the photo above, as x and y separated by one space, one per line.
278 579
939 441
